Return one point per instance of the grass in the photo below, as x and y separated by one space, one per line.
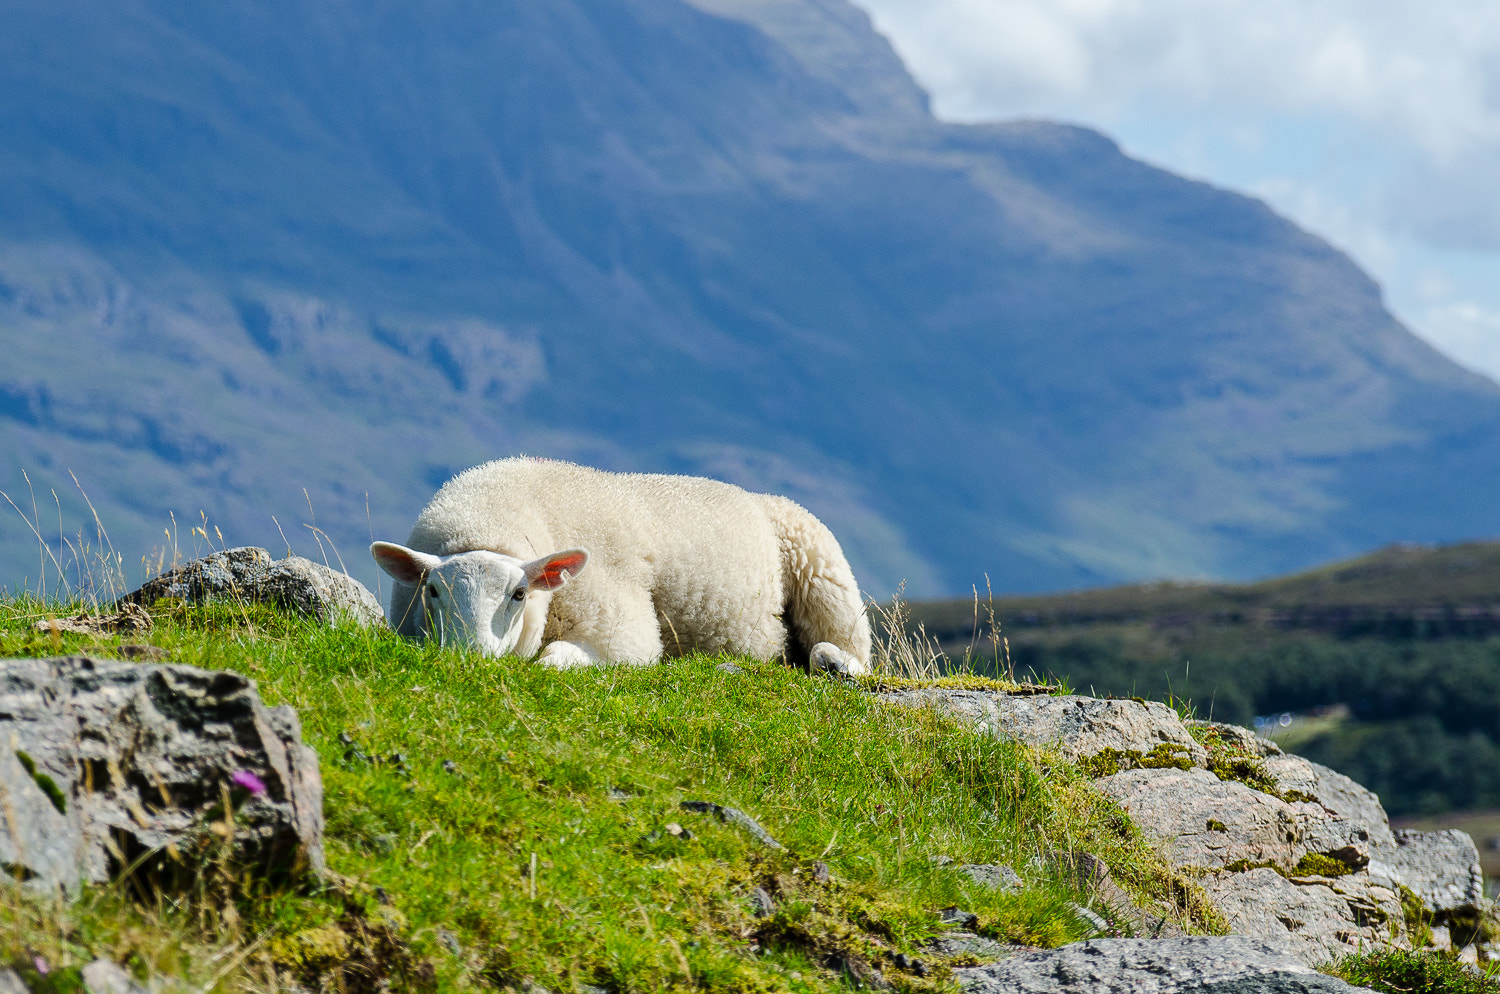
1400 972
494 825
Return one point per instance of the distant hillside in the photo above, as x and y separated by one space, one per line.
297 260
1401 590
1390 662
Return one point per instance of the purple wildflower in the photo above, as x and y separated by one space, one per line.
40 962
248 780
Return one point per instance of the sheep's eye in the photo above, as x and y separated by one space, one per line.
432 591
519 595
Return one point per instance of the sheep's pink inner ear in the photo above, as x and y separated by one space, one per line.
553 571
400 562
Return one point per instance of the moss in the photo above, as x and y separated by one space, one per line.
1112 761
1229 760
1244 866
1215 825
960 681
1318 865
47 784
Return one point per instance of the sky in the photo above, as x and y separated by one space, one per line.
1374 123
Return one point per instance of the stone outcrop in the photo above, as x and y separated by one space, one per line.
249 574
1289 851
1204 965
1442 868
1075 727
108 767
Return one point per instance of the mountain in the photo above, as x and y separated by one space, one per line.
305 260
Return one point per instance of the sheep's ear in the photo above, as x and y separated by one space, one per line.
406 565
551 572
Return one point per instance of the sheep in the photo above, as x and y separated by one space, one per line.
649 565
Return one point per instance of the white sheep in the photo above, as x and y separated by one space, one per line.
675 564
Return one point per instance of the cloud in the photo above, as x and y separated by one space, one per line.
1420 81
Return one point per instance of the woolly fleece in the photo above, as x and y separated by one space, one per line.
676 564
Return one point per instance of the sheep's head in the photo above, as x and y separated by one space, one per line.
475 599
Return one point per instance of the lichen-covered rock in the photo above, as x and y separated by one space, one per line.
1208 823
109 765
1079 728
250 574
1318 919
1202 964
1345 816
1442 868
1243 738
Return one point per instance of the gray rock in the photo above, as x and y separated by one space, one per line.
733 816
969 944
1183 809
249 574
1077 727
1442 868
1242 737
1318 919
730 668
1346 814
139 758
1220 964
996 876
761 904
10 983
106 977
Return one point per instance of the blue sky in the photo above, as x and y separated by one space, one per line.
1375 123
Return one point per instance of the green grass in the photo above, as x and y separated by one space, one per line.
446 775
1400 972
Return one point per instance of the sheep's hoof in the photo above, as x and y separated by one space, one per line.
827 657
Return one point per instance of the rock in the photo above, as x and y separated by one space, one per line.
957 916
761 904
129 763
130 619
969 944
1208 823
1077 727
1204 965
1318 919
1345 815
733 816
1442 868
730 668
992 875
1226 826
10 982
249 574
1242 737
106 977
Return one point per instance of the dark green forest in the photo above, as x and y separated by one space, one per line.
1406 640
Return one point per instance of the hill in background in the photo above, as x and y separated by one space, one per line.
292 259
1386 667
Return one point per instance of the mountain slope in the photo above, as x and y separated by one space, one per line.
254 248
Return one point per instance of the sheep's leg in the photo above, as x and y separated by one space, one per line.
620 626
565 655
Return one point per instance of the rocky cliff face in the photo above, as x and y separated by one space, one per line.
249 249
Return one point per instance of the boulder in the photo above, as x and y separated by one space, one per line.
109 767
1442 868
1204 965
250 574
1316 918
1078 728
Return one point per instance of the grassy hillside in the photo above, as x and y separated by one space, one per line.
1407 639
492 824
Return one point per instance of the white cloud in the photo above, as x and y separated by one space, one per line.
1373 122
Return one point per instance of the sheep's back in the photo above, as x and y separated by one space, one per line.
705 550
